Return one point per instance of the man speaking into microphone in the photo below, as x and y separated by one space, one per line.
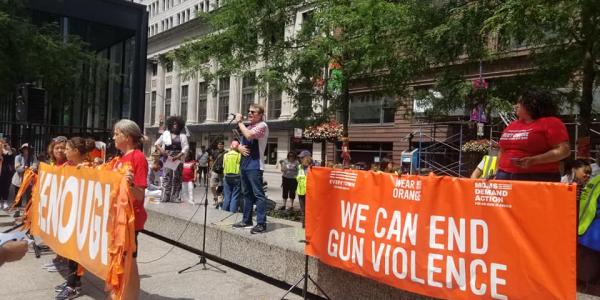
252 146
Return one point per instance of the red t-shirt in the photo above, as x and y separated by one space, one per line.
139 167
188 171
522 139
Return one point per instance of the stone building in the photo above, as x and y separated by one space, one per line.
378 128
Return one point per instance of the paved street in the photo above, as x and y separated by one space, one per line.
26 280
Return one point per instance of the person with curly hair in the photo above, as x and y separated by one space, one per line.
532 146
174 145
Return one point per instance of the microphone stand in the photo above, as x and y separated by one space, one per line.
203 261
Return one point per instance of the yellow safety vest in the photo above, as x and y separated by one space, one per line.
231 163
301 178
489 166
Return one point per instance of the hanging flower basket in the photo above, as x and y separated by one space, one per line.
480 84
476 146
330 131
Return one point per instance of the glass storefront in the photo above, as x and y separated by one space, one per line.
365 154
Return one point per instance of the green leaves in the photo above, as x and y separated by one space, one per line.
30 53
386 45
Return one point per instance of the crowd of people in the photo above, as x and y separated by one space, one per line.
233 175
533 148
80 152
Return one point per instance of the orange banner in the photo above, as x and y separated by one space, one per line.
84 214
445 237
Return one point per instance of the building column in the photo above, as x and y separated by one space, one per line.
148 95
211 104
192 114
235 94
175 91
160 94
287 107
211 98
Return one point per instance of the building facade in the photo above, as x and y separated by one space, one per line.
206 106
379 130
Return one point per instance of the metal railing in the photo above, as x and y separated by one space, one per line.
39 135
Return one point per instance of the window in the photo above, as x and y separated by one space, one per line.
187 13
308 23
154 69
368 108
184 102
507 42
167 102
248 85
153 108
169 66
274 104
202 101
223 99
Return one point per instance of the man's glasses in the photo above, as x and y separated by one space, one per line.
252 112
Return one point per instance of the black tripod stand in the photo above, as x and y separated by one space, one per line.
203 261
306 277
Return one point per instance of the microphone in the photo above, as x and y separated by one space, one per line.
233 116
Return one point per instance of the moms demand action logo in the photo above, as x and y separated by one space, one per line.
492 194
342 180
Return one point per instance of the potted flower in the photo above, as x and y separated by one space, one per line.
476 146
329 131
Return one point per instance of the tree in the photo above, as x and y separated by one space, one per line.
340 41
37 53
563 38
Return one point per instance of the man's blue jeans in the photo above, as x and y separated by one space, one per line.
231 192
252 190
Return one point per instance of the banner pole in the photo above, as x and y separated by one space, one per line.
305 277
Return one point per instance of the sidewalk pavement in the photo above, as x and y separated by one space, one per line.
159 279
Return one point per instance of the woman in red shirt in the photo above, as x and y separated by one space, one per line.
532 147
128 139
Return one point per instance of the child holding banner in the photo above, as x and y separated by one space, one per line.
128 139
56 157
56 151
76 150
